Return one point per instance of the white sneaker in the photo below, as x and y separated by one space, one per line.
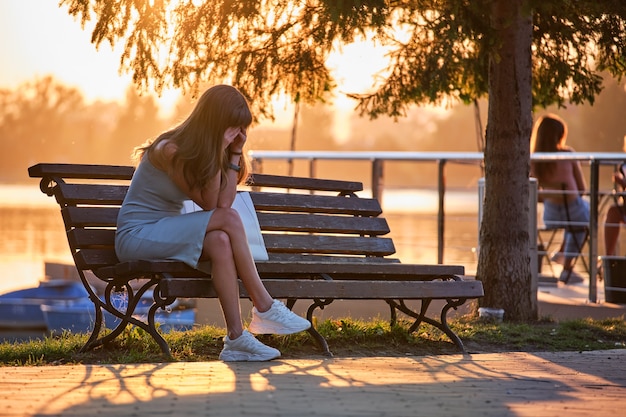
277 320
247 348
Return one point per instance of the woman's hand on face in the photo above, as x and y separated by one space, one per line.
235 138
229 136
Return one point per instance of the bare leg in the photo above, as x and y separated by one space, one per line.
224 276
228 221
611 229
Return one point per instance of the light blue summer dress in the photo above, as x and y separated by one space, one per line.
150 225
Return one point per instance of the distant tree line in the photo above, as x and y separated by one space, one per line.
44 120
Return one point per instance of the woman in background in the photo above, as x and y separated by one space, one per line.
202 160
563 184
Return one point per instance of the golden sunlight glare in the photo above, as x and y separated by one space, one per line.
42 39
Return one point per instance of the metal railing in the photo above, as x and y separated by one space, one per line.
593 160
378 160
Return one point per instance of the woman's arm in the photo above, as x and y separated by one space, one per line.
227 194
234 140
214 193
206 197
221 191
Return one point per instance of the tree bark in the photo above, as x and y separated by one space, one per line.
504 259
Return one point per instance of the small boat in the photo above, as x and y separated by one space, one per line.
58 305
175 317
78 317
21 309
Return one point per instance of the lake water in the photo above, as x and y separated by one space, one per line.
32 231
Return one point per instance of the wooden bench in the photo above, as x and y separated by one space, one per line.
324 242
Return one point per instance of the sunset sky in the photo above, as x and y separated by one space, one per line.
40 38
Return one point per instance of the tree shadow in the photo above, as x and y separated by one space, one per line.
433 385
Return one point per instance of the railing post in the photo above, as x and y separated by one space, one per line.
441 184
593 230
312 170
377 179
256 164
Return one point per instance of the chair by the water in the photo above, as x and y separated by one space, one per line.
548 235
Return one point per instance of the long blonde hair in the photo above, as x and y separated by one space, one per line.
549 135
199 138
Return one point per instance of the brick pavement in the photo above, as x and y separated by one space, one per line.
500 384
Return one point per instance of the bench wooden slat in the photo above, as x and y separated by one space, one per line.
82 171
81 238
90 238
96 194
92 259
268 201
118 172
323 223
344 245
345 289
368 267
299 257
90 216
291 243
107 216
302 183
139 267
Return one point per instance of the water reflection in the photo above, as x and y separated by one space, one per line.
33 233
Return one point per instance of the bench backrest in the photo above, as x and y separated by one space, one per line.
301 218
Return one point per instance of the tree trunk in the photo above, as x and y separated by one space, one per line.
504 260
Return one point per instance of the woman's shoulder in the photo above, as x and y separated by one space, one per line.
161 154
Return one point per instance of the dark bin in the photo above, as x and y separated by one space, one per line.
614 279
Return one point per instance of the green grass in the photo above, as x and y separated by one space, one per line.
346 338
